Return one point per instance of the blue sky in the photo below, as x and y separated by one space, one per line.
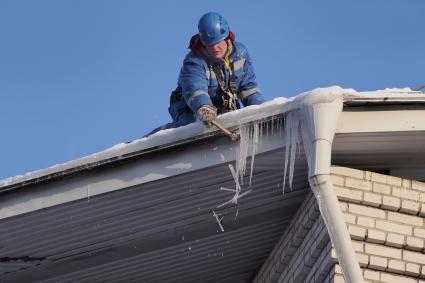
78 76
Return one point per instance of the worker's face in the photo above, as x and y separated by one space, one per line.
218 50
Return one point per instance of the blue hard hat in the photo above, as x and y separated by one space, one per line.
213 28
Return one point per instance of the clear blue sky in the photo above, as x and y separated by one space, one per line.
78 76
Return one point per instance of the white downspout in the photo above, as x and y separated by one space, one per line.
320 118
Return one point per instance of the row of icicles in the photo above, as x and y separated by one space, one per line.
250 140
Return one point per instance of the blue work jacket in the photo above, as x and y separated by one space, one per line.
197 85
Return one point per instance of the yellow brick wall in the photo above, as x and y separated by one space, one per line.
385 218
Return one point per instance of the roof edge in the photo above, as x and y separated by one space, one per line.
197 131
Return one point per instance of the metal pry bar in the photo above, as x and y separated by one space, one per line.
232 136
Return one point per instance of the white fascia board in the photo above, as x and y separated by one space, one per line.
381 121
388 94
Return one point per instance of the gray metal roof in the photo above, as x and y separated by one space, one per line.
162 231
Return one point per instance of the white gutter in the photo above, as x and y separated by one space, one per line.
319 121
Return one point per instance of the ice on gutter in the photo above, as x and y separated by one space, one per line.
232 119
161 138
315 116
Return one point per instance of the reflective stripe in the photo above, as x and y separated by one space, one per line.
210 74
247 92
196 93
239 64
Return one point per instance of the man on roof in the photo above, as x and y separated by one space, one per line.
216 77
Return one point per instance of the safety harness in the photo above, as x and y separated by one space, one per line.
229 93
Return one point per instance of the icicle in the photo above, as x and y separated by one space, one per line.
254 150
249 140
234 199
280 126
88 193
242 154
226 189
286 142
272 125
292 125
219 221
235 177
294 145
237 190
226 203
260 135
261 128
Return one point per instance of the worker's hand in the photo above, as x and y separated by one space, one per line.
207 114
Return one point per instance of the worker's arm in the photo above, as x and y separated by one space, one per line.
249 92
193 79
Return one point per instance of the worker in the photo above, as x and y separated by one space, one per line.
216 77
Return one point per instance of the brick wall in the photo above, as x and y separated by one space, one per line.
385 219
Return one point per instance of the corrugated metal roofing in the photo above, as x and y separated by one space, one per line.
221 258
162 231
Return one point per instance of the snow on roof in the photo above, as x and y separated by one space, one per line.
276 106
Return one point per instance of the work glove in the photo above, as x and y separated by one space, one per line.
207 114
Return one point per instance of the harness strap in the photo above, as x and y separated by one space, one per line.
233 87
230 97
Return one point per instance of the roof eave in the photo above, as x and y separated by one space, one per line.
197 133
